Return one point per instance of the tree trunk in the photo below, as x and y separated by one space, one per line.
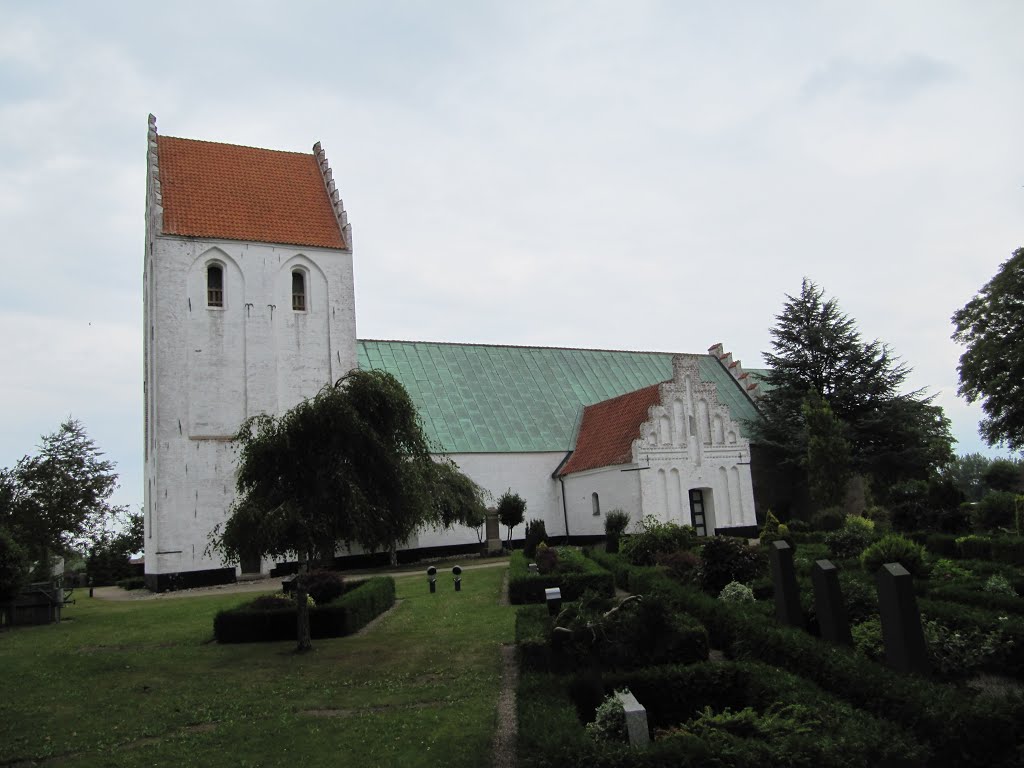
393 554
305 642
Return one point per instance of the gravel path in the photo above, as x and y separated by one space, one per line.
506 733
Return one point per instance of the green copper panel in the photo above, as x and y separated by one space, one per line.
476 398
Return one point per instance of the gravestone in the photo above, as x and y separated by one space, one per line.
905 648
829 604
493 531
636 720
787 596
532 568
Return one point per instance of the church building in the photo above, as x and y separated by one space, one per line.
249 307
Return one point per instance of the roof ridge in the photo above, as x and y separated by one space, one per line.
531 346
239 146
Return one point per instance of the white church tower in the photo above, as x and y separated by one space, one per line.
248 308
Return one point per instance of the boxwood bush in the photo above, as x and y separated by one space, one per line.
361 602
526 587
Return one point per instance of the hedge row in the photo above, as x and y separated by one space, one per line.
680 640
1001 549
958 593
362 602
551 714
526 587
963 617
962 731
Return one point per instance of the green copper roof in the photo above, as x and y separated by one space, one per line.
477 398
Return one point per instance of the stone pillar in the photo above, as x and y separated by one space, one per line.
787 597
905 649
829 604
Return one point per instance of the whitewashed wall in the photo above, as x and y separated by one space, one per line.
207 369
615 489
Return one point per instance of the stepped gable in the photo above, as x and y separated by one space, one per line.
230 192
608 429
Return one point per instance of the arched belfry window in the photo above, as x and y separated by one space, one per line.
298 290
596 502
215 286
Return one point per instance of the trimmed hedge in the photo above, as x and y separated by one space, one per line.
552 711
960 616
975 596
526 587
962 731
645 634
362 602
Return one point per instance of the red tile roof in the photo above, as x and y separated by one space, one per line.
244 193
609 428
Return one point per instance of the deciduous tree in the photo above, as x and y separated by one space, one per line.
991 327
511 510
351 465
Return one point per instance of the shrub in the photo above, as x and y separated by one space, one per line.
799 526
324 586
610 720
511 510
14 566
735 592
726 559
880 519
942 544
830 519
133 582
946 571
894 549
1008 549
770 531
271 602
995 510
654 538
975 598
683 565
615 524
974 547
867 639
547 559
957 652
852 539
536 533
998 585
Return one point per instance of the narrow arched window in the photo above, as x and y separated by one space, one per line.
299 291
214 286
596 503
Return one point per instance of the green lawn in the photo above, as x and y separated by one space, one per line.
142 683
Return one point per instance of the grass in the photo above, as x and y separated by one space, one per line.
141 683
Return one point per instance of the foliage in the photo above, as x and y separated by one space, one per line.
349 465
867 639
853 538
995 510
655 537
991 327
959 652
615 524
895 549
997 584
946 571
457 498
735 592
610 720
879 518
828 453
547 559
574 576
830 519
59 499
726 559
109 558
14 567
324 586
779 720
133 582
511 510
683 565
818 352
973 547
536 533
1004 475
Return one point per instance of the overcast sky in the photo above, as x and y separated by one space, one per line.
627 175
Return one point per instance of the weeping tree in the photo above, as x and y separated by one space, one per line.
349 466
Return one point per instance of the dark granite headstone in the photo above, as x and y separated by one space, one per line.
829 604
787 597
905 649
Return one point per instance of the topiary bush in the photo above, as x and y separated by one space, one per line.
852 539
655 537
895 549
324 586
615 524
830 519
536 533
974 547
725 559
